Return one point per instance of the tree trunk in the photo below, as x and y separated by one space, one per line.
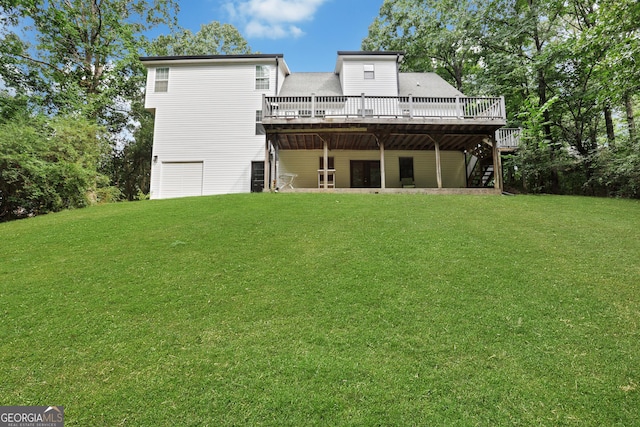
608 119
628 105
542 94
546 128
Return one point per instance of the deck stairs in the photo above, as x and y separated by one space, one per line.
480 170
482 175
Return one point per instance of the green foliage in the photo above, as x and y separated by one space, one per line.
617 171
129 166
581 54
435 35
249 310
84 60
84 63
47 164
213 38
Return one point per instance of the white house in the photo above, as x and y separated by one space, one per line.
241 123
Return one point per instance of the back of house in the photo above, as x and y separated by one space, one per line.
243 123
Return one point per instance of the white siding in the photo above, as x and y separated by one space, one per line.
305 164
281 77
385 82
208 116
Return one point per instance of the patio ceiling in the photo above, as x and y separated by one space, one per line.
365 136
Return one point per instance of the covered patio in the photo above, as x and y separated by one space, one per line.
319 149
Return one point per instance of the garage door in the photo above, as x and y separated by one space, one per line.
181 179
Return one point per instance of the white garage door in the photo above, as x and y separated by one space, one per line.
181 179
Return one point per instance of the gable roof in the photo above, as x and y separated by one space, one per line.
426 85
304 84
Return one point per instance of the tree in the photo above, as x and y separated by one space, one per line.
618 25
84 59
83 63
129 166
435 36
567 68
213 38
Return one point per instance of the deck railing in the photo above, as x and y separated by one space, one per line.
508 137
313 106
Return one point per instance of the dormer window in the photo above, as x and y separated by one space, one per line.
369 72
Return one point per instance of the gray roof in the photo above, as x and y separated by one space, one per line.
370 53
304 84
328 84
426 84
196 57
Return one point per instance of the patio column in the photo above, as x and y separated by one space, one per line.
325 163
383 175
497 166
438 165
267 166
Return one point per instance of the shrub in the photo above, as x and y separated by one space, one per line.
47 165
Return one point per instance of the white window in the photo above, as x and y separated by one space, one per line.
259 128
162 79
369 72
262 77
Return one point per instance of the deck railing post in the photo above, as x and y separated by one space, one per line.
362 105
313 105
458 107
503 109
264 106
410 106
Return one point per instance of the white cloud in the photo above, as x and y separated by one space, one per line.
271 31
273 19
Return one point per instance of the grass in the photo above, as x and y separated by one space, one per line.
324 309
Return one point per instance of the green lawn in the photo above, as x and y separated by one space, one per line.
326 309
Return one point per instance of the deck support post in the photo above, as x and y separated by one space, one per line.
497 166
383 175
438 165
325 163
267 166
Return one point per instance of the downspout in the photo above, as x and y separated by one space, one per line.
398 72
277 73
274 159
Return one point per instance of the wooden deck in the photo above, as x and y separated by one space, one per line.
389 123
401 123
399 107
508 139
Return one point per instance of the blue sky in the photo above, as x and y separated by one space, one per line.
307 32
